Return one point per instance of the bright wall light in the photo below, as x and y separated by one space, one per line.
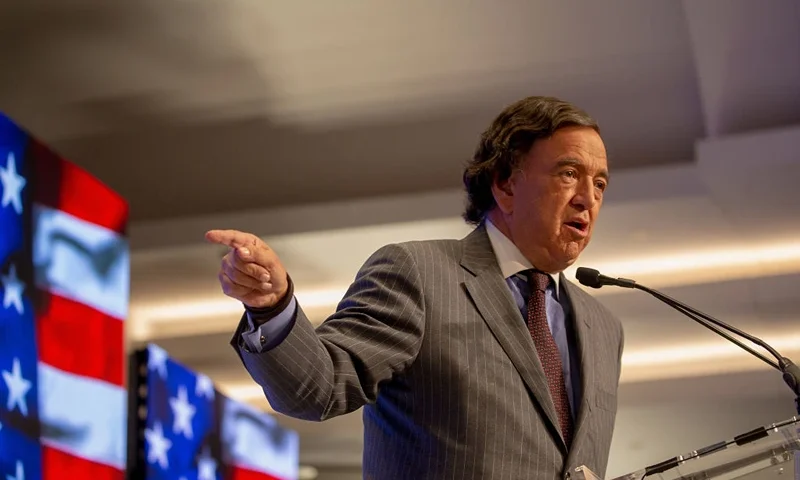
227 306
307 472
700 352
694 360
181 318
243 391
667 269
766 256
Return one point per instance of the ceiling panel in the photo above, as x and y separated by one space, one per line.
223 106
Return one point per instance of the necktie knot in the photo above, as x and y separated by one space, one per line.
538 281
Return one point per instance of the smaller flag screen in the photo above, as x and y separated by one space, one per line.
182 427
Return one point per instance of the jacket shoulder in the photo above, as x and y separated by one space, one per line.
418 255
439 250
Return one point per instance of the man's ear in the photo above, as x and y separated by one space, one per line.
503 192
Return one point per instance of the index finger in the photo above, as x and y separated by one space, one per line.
231 238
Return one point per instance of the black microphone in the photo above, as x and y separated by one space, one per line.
592 278
791 372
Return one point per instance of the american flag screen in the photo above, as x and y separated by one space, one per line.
183 428
64 284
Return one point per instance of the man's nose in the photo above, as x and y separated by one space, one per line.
585 196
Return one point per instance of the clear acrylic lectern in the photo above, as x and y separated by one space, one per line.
770 452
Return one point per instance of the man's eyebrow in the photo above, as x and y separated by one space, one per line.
574 162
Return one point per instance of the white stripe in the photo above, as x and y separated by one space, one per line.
81 261
83 417
256 444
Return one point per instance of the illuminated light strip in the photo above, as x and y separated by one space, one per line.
731 258
695 360
164 320
307 472
227 306
668 269
708 351
243 391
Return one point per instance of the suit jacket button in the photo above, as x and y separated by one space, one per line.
263 340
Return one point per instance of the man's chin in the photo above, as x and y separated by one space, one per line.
557 256
569 254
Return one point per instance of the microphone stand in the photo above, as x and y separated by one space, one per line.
790 371
709 322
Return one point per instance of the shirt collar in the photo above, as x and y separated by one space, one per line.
510 259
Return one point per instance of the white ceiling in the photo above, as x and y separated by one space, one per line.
221 106
310 61
333 128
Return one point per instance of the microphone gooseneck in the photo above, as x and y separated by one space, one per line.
791 372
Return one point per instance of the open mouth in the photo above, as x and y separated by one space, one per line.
578 225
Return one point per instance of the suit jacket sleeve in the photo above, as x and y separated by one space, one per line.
315 374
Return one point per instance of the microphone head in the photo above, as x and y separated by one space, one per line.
589 277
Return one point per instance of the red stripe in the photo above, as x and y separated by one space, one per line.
80 340
239 473
58 465
62 185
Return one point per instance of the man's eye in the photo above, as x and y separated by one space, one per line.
601 186
570 173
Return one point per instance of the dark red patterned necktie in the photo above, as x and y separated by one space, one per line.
548 350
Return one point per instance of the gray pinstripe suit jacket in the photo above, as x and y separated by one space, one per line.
429 340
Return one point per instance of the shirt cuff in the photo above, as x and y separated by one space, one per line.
271 333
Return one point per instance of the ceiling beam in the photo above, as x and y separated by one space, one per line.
747 57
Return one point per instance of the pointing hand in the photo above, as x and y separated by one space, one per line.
251 272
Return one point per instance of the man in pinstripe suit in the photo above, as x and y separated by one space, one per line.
473 358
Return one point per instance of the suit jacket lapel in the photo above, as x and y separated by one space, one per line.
494 302
586 340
